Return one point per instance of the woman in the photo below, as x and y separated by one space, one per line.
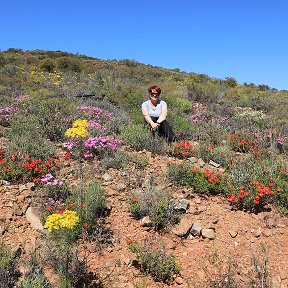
155 112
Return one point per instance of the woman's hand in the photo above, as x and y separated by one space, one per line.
154 125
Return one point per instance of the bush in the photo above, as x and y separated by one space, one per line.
202 181
9 272
155 261
156 204
34 277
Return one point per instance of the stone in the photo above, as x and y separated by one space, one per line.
267 232
256 232
182 205
196 229
201 208
214 164
121 187
146 222
233 233
193 159
106 177
179 280
183 228
30 186
208 233
32 217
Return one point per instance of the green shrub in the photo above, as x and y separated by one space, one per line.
155 261
117 160
9 272
140 160
202 181
156 204
34 277
137 136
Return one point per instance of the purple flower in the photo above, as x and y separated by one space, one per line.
280 141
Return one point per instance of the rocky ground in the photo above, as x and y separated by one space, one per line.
210 237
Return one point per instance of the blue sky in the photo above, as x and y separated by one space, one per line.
244 39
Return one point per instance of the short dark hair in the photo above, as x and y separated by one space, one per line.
155 87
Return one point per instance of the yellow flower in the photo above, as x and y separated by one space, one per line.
80 123
78 132
68 219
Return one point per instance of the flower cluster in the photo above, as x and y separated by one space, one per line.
38 168
68 219
78 130
95 112
254 194
49 179
15 167
184 149
93 145
240 142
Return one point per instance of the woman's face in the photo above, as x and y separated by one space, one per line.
154 94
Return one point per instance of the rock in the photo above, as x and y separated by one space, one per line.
208 233
33 219
196 229
201 208
193 159
30 186
267 232
233 233
182 205
179 280
182 229
200 162
106 177
256 232
121 187
214 164
146 222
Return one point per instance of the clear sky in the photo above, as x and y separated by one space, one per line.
244 39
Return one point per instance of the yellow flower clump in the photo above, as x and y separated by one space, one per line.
67 219
78 130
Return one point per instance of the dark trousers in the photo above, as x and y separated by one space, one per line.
164 130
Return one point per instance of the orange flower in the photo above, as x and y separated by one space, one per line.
67 156
85 225
129 240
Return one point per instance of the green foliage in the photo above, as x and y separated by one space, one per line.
136 135
34 277
9 272
140 160
202 181
117 159
51 115
155 203
155 261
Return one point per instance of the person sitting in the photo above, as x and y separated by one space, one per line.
154 111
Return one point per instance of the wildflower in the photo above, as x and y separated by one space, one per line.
67 156
85 225
133 199
129 240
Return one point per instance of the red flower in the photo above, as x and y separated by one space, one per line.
71 205
129 240
85 225
133 199
36 179
67 156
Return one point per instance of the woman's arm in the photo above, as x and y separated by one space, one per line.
163 115
148 119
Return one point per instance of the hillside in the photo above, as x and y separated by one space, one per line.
90 198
